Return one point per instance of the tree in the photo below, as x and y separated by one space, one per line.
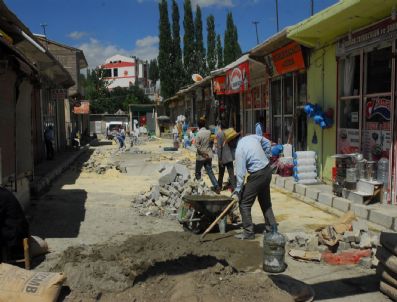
153 71
199 44
219 52
211 37
165 50
232 49
188 41
178 72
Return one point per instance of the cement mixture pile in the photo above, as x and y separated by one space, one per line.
100 163
165 198
170 266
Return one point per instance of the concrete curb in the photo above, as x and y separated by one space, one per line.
41 183
331 204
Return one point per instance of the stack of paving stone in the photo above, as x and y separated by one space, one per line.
387 267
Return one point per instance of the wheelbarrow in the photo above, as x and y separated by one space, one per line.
198 212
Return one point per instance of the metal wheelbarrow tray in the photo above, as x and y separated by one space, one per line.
198 211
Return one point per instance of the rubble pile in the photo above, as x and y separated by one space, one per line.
135 150
347 241
99 163
165 198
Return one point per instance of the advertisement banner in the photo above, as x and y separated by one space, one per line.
237 79
348 141
377 128
219 84
286 59
84 108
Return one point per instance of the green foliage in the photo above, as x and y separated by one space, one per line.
153 71
211 37
219 52
199 50
165 50
178 75
188 41
232 49
103 100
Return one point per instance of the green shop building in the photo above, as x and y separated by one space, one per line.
351 70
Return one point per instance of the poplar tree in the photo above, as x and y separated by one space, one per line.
165 49
188 41
211 37
219 52
232 49
199 44
178 72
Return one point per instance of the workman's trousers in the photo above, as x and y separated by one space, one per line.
230 170
207 164
258 185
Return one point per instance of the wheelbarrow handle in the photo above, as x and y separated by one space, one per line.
230 205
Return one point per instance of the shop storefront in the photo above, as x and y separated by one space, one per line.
288 95
366 90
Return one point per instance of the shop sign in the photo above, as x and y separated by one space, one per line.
348 141
381 31
256 97
219 85
237 79
286 59
377 128
84 108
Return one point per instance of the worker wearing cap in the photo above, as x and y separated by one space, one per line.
252 156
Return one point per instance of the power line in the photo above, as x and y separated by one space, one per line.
312 7
44 25
256 29
278 28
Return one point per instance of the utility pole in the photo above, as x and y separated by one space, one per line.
256 29
278 28
312 7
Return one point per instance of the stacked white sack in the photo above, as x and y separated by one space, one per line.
305 168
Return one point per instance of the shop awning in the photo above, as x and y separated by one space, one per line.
234 64
271 44
25 42
339 19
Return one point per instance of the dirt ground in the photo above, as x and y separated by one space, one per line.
111 253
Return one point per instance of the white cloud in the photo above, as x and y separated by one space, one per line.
77 35
96 52
206 3
146 48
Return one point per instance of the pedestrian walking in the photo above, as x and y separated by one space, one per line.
204 154
225 156
48 139
252 155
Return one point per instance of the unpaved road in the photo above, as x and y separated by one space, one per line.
91 215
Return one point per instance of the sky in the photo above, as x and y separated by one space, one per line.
102 28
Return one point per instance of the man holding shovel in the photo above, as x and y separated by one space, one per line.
252 156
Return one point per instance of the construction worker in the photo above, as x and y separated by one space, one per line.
252 156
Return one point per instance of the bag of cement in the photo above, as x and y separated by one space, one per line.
389 241
37 246
388 290
20 285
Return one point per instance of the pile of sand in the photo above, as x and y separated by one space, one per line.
144 262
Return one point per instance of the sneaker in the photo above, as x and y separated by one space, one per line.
245 236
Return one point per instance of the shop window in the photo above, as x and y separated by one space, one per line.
349 113
288 94
276 96
276 135
379 70
115 72
302 89
107 73
288 135
350 75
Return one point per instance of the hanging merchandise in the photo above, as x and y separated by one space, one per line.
323 119
314 138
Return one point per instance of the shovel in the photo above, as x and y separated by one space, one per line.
230 205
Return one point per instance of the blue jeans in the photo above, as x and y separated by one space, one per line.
207 164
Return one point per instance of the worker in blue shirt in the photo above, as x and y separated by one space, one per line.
259 126
252 156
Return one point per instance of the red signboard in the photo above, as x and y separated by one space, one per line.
84 108
288 58
237 79
219 85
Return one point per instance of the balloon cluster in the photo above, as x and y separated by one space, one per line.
324 119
